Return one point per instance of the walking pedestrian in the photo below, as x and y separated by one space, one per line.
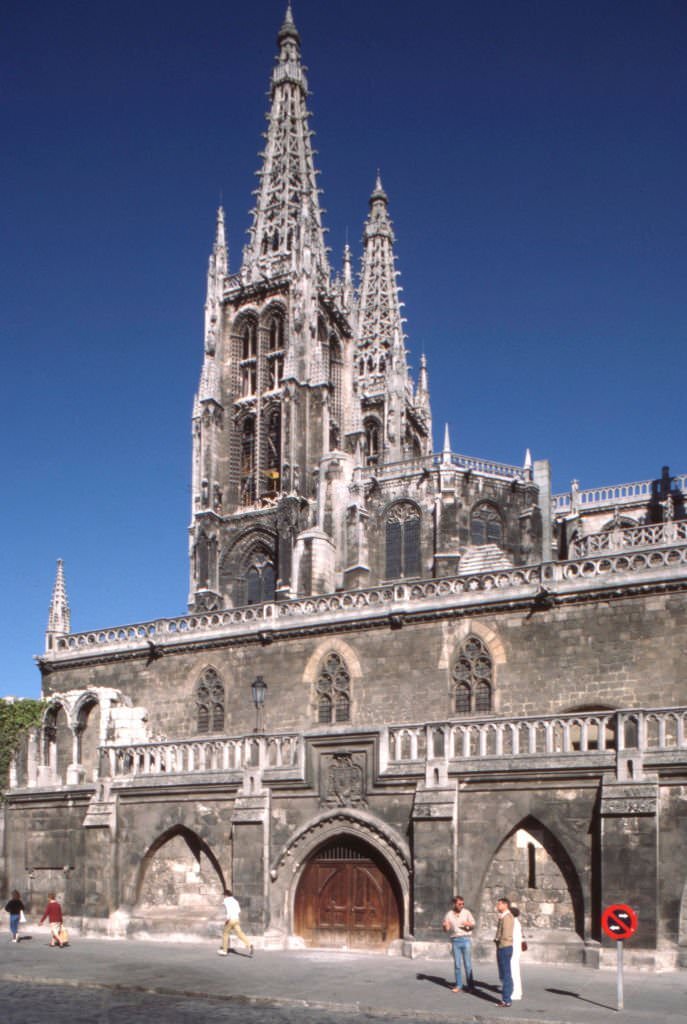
15 908
518 945
459 923
53 912
232 912
504 949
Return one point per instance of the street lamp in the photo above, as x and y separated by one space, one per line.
258 689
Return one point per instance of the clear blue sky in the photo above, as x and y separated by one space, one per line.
534 156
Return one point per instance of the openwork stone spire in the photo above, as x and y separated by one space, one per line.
59 616
288 179
380 324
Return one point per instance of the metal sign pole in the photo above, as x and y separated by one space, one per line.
619 948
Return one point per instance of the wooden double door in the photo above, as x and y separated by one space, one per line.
346 898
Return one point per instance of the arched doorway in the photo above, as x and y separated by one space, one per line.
347 897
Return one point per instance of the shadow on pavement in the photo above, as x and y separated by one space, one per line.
576 995
441 982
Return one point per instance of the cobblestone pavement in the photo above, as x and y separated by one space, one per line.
38 1004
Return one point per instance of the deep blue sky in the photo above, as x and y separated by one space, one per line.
534 156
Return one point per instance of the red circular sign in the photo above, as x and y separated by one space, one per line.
619 921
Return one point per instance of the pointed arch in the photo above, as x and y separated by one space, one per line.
554 849
331 673
210 702
486 524
193 842
403 520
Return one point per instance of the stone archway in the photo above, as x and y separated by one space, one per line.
347 897
180 883
534 871
372 863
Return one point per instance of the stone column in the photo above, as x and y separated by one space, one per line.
434 832
250 858
629 853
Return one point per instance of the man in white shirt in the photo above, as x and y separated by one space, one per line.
459 922
232 912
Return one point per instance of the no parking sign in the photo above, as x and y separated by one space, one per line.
619 922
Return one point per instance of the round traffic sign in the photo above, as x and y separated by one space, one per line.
619 921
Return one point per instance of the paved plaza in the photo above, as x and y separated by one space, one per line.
99 980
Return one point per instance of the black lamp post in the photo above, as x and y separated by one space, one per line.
258 689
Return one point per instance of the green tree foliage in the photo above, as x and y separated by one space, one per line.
15 718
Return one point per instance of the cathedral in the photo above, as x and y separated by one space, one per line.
403 673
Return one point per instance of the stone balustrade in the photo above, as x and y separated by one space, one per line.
444 460
460 744
558 578
627 731
214 754
611 496
660 534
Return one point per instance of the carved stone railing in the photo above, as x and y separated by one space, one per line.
446 460
214 754
628 731
612 496
657 535
463 743
558 579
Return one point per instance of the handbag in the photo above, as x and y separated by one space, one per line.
22 917
523 946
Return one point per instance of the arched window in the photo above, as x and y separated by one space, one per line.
275 350
247 483
472 678
260 581
248 365
403 541
486 526
210 702
335 393
273 470
372 430
333 691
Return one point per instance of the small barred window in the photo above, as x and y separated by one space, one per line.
472 678
333 691
210 702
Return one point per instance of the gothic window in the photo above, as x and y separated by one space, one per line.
273 451
335 393
403 541
247 483
372 441
333 691
260 581
275 351
486 526
210 702
472 678
249 358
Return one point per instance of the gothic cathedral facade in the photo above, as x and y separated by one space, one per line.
402 673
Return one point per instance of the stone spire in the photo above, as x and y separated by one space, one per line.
218 267
380 324
59 616
288 178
